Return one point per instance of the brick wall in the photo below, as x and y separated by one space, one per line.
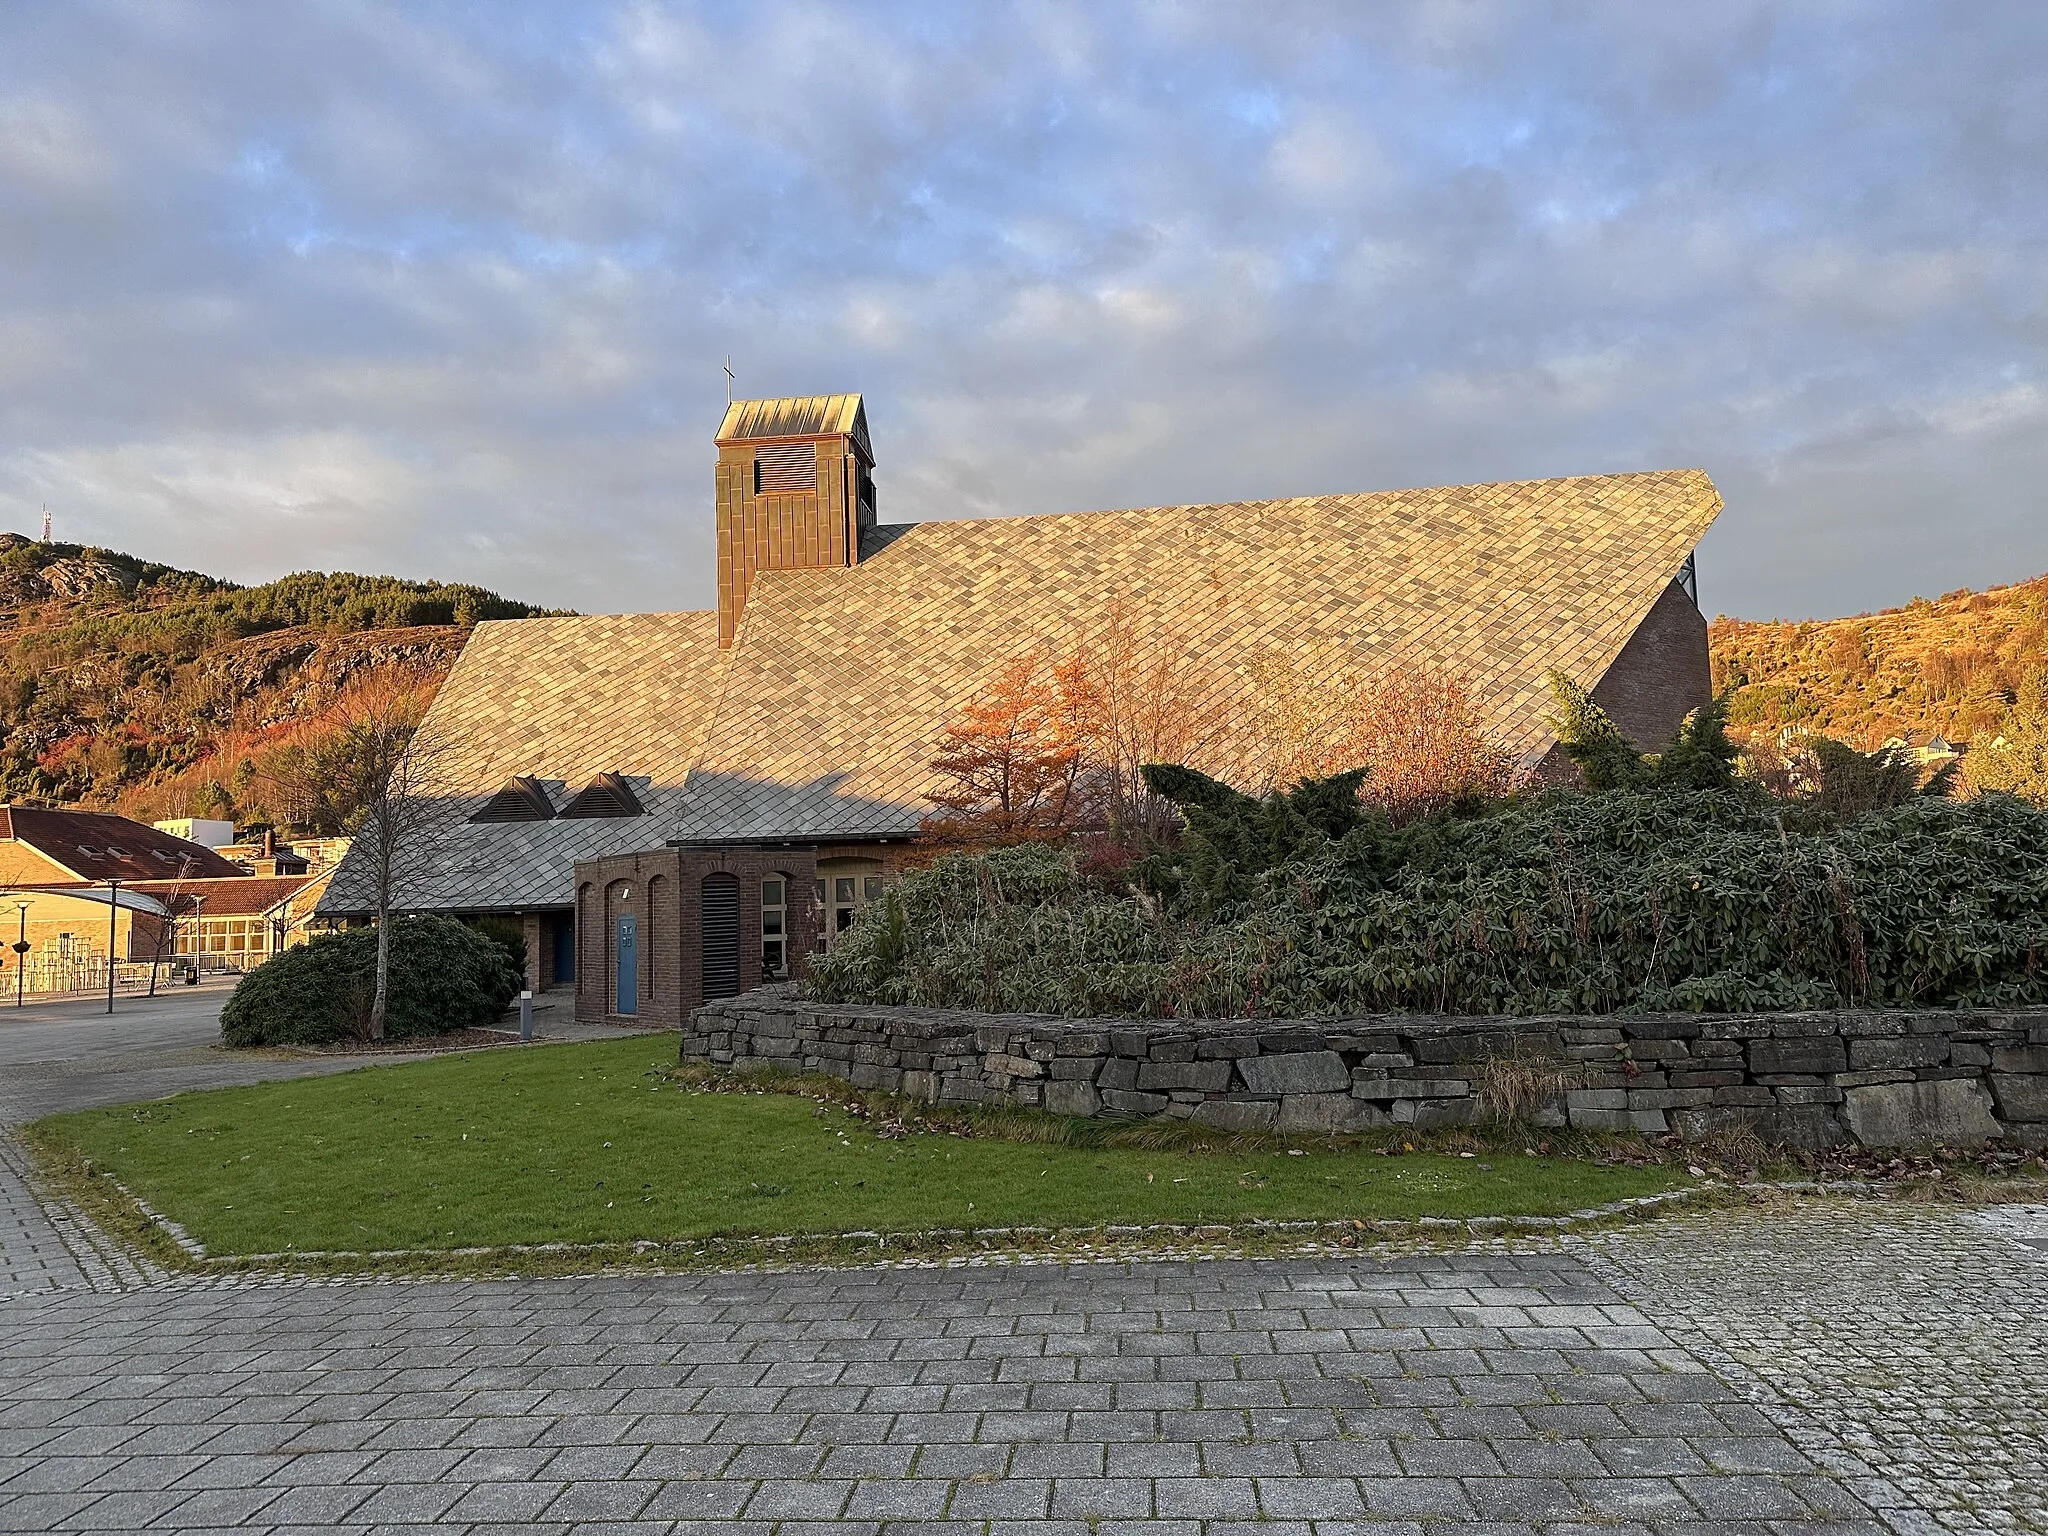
1811 1080
1662 674
665 896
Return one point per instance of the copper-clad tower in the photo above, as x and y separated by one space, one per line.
795 488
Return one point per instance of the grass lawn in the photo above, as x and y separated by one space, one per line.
590 1144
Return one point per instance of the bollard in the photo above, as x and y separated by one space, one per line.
526 1014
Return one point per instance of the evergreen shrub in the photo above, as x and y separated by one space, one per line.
1630 901
444 976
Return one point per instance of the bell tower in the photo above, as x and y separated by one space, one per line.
796 487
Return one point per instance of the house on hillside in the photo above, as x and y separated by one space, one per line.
678 805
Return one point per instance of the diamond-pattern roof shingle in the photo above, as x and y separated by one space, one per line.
842 680
821 721
562 701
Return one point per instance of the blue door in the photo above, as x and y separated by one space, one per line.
629 965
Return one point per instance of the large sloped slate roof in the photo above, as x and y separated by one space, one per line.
842 680
561 700
821 721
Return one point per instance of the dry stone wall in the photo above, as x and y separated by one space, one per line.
1800 1079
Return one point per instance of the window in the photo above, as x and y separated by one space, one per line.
88 850
785 467
119 853
845 886
775 929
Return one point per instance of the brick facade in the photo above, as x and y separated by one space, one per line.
1662 674
663 892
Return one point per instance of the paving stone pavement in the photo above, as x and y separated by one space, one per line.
1910 1339
1493 1390
1832 1369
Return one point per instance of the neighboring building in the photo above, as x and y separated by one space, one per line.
40 846
177 898
321 852
637 788
198 829
67 931
238 923
265 855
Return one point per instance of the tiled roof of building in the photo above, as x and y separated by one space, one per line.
561 701
842 679
99 846
248 896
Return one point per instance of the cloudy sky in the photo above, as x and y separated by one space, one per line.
444 288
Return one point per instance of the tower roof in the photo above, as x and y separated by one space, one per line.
798 416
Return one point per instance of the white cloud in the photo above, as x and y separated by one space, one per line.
447 292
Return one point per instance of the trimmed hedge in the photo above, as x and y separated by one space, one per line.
1624 902
444 976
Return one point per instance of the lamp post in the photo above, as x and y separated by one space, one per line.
113 912
21 952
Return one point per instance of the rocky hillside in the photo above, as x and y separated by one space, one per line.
1955 665
129 684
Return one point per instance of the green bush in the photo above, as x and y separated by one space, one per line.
509 934
1620 902
444 976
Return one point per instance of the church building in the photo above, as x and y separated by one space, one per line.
682 805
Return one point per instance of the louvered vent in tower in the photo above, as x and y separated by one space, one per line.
785 467
522 799
606 795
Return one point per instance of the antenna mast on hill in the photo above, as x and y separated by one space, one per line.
46 522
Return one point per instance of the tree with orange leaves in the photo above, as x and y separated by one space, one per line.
1415 729
1013 763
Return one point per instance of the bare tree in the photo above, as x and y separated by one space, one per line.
1151 700
166 931
375 773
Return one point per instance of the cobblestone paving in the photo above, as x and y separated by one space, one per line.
1830 1370
1494 1391
1915 1339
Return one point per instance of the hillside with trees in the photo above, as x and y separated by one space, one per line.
1960 665
135 686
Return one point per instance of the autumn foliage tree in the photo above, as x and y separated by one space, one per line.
1416 730
1012 764
1056 744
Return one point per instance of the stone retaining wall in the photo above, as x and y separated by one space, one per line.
1802 1079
